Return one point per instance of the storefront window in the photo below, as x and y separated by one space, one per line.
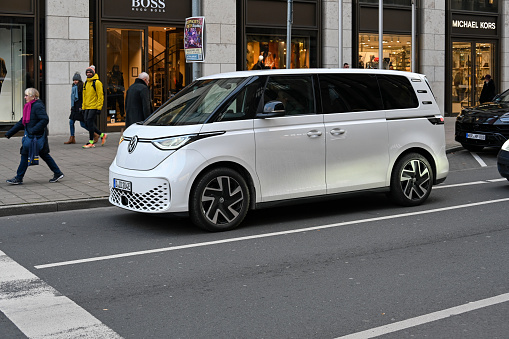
388 2
273 51
469 58
16 70
125 57
397 51
475 5
166 62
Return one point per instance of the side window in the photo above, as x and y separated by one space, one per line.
397 92
244 104
349 93
295 92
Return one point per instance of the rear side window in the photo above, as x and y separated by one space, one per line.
349 93
397 92
295 92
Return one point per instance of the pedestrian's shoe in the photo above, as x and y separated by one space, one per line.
103 139
89 145
14 181
96 138
72 140
56 177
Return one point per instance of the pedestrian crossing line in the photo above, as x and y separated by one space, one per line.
40 311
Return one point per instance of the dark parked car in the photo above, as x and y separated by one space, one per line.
503 160
485 125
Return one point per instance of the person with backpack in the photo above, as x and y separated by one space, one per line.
93 100
76 104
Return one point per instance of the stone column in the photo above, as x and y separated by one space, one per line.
67 51
432 47
504 48
220 36
330 31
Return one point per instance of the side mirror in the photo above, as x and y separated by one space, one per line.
272 109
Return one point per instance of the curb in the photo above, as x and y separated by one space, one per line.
54 206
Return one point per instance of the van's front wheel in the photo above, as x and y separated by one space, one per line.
219 200
411 180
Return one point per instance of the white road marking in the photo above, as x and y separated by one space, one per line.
469 183
266 235
40 311
478 158
427 318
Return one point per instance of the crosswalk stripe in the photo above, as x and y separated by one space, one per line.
40 311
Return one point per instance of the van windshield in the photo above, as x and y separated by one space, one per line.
195 103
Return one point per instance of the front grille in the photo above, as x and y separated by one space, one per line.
156 199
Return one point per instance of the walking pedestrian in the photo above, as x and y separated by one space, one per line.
76 104
93 100
34 121
137 100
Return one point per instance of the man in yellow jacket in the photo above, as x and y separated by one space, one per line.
93 100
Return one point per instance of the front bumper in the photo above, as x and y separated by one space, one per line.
494 138
503 163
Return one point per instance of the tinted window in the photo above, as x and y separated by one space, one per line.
397 92
244 104
196 103
475 5
349 93
295 92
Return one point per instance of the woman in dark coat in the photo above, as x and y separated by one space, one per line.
34 122
76 103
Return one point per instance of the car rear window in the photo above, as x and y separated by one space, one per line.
349 93
397 92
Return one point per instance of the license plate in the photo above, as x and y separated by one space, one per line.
476 136
123 185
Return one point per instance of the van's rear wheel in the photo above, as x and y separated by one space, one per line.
411 180
219 200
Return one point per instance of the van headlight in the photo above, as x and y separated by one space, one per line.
173 143
505 146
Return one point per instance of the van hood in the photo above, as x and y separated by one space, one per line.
145 156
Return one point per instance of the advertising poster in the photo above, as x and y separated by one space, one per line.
193 39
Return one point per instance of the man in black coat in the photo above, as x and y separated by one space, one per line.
488 89
137 100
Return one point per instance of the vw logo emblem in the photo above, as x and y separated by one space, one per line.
132 144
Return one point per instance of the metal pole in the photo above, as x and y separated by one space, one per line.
380 34
289 34
413 40
340 33
196 11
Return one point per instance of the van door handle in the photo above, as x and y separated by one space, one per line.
337 131
314 134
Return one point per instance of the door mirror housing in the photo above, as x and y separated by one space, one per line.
272 109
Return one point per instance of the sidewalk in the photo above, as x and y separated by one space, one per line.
85 184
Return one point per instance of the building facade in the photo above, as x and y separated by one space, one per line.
44 42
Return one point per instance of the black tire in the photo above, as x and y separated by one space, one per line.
472 148
411 180
220 200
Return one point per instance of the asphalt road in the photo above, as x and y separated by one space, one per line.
319 270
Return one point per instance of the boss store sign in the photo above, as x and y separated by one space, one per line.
147 9
474 25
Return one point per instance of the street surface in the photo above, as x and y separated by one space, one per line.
355 267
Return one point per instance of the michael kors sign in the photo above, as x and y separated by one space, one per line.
474 25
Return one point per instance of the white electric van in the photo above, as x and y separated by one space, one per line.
233 142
